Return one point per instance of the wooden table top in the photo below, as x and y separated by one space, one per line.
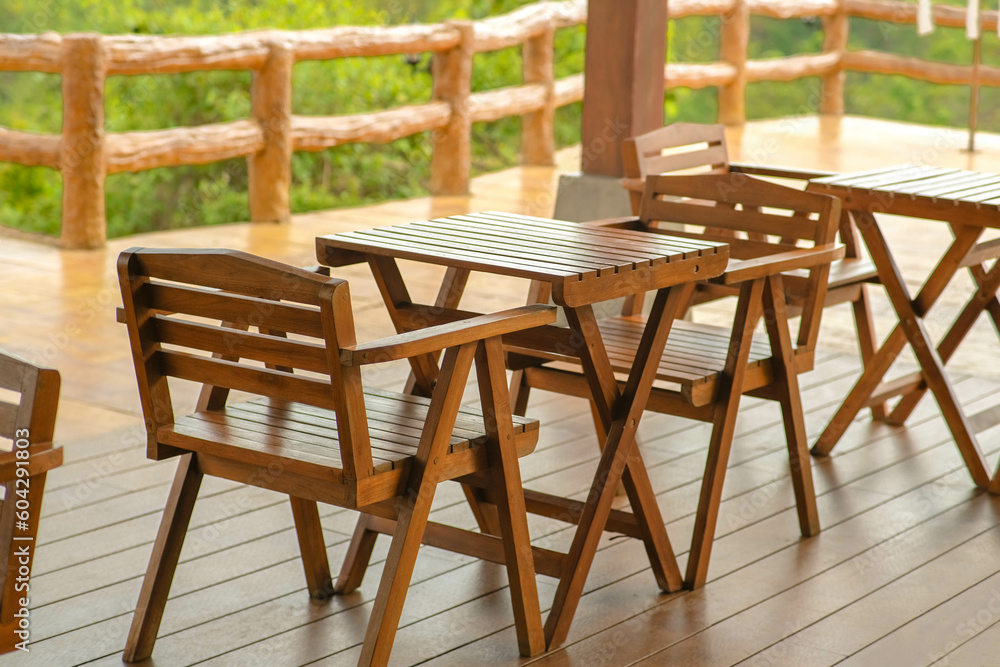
584 264
920 191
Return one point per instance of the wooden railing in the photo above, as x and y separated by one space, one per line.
86 153
734 71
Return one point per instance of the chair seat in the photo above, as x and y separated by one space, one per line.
303 439
843 273
694 357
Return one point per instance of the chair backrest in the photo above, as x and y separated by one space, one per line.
756 217
29 398
191 315
679 148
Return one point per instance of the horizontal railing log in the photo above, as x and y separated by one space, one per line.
86 153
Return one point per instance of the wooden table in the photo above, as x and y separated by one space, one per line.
969 203
583 265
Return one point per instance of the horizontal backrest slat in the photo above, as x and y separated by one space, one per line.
723 217
229 271
234 308
764 207
712 157
687 145
243 344
221 373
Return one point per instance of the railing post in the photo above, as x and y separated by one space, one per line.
538 139
451 161
270 170
83 154
734 38
835 28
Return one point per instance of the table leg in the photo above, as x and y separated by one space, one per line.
449 295
621 413
987 283
864 392
911 313
394 294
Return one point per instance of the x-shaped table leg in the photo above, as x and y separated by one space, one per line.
620 461
985 299
911 329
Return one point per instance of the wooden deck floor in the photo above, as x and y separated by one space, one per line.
905 572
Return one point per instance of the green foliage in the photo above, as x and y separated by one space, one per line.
196 195
30 197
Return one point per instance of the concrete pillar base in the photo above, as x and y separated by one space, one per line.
582 197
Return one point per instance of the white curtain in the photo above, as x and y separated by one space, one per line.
925 20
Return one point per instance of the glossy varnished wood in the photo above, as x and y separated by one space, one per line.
316 436
905 536
917 191
579 265
705 371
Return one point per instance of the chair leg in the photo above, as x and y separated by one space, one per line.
359 554
509 495
787 384
164 559
519 392
798 456
865 326
413 509
723 428
312 547
748 312
410 525
484 511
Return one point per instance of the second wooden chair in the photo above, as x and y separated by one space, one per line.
706 369
686 148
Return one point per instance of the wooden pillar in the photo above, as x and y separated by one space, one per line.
835 29
538 138
83 154
623 95
734 38
451 161
270 170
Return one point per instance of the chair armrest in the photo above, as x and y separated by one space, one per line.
769 265
778 172
432 339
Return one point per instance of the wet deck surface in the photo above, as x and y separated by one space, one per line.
905 571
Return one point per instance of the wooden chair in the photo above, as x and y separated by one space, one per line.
27 419
699 148
312 431
706 369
